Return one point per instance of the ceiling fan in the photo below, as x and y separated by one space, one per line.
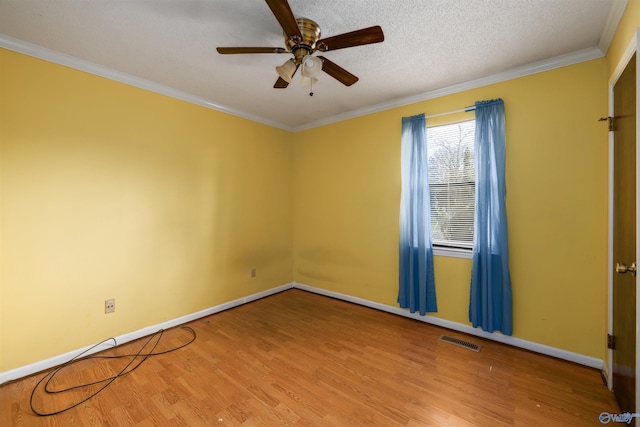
302 40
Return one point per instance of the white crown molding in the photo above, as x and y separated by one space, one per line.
51 362
611 25
514 73
505 339
109 73
70 61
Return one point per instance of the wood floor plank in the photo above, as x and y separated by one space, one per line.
300 359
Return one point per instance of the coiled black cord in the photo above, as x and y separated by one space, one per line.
136 360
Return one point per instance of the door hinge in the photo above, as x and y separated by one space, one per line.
608 119
611 342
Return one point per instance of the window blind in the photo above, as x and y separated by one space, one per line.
452 183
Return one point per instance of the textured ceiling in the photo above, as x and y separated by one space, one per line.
429 45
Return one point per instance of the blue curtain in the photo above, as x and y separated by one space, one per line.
490 306
417 285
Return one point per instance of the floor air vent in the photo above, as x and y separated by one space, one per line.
460 343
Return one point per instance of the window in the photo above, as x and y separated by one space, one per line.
452 184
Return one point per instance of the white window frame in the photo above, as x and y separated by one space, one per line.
450 251
453 252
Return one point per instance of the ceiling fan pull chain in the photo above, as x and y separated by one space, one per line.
302 40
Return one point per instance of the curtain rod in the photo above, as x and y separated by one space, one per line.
461 110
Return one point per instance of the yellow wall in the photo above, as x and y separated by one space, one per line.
625 32
109 191
347 194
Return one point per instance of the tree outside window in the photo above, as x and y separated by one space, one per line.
452 183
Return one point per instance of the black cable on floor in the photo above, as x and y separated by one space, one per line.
138 358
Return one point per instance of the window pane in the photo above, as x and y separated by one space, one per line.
452 183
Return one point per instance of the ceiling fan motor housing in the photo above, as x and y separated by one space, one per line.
302 40
310 31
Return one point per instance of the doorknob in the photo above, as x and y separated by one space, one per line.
622 268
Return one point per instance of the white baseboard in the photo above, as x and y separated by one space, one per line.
505 339
43 365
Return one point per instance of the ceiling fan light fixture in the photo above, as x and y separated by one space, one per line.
302 40
286 70
308 81
311 66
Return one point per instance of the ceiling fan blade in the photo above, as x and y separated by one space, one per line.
282 11
354 38
337 72
282 83
231 50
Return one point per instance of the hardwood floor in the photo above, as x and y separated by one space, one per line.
297 358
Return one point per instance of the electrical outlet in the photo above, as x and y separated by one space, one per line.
253 272
109 306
